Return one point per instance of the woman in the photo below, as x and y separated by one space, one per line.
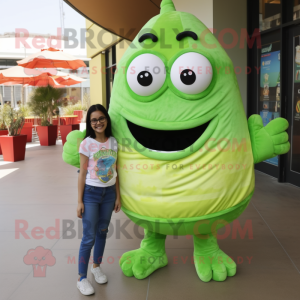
98 193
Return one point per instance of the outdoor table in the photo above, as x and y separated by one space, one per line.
29 119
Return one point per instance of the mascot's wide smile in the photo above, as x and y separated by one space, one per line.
166 140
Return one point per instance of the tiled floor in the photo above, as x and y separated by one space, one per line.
42 192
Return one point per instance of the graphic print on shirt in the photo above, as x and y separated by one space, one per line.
105 164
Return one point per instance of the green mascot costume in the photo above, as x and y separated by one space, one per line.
186 151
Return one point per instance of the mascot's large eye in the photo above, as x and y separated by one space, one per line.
191 73
146 74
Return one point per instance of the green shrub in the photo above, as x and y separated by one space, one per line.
44 100
69 109
13 120
25 110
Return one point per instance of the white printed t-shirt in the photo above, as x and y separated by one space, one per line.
101 170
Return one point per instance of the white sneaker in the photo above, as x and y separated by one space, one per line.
100 277
85 287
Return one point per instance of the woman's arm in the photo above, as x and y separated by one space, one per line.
81 182
118 200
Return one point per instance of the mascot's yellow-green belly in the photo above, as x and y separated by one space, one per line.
201 185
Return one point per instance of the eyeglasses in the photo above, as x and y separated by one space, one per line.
100 120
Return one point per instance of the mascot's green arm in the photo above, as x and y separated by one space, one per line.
70 151
268 141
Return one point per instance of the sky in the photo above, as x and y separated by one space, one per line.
37 16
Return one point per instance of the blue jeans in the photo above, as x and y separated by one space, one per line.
99 203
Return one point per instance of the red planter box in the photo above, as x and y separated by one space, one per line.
55 122
27 130
79 114
66 129
47 135
3 132
13 147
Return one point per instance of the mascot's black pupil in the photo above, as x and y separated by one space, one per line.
188 77
145 78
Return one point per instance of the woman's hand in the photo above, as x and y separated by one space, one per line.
80 210
81 184
118 204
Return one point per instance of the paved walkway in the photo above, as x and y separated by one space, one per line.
41 192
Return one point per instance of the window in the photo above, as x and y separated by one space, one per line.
7 63
110 67
296 14
269 14
274 90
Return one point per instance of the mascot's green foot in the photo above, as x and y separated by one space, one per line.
210 261
140 264
151 256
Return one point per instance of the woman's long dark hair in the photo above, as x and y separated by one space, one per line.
89 130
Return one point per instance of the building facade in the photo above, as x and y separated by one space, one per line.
274 89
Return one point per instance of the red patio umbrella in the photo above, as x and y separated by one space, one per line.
37 77
51 58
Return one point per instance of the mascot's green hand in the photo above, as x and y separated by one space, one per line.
268 141
70 151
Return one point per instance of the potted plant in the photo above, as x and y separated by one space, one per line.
13 144
43 102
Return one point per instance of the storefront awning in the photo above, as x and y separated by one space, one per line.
120 17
